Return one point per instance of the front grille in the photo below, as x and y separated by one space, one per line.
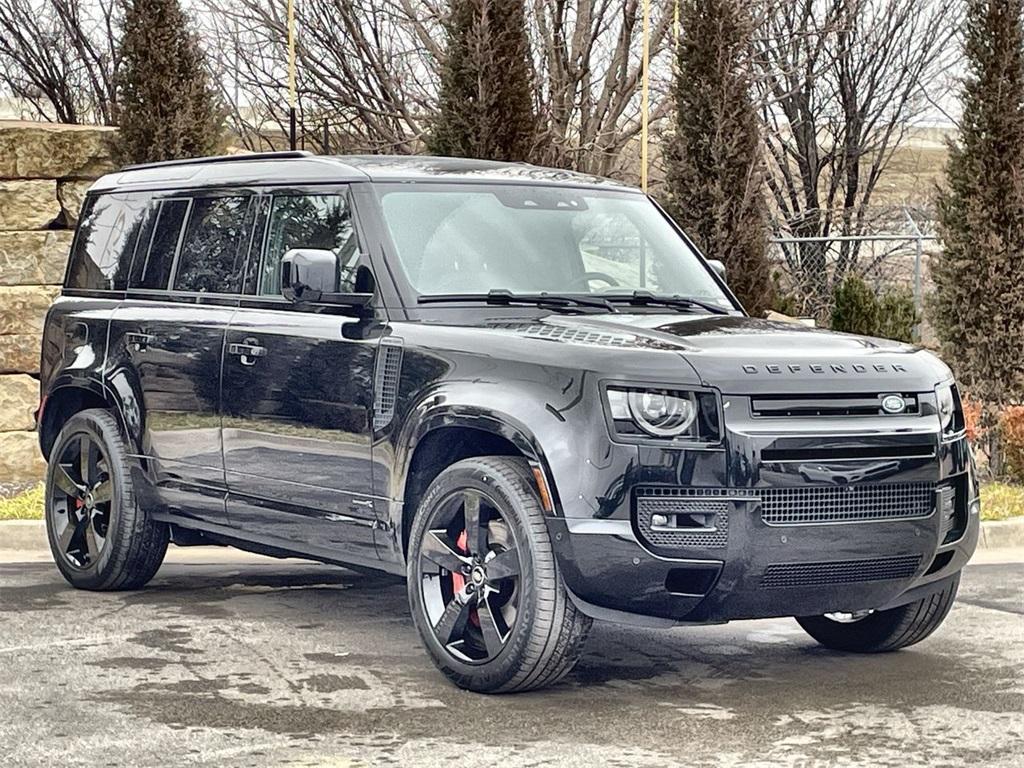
785 406
784 575
812 505
697 519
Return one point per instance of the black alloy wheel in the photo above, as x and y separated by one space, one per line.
470 576
81 499
100 536
484 587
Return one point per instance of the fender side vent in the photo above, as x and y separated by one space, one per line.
385 382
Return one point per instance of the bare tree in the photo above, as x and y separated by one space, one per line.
60 57
841 81
369 70
589 60
362 70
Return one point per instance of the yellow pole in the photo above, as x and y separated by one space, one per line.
675 26
292 100
645 94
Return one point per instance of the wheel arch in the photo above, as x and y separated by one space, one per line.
451 435
65 399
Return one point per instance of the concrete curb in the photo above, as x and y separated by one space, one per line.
24 535
1001 534
30 535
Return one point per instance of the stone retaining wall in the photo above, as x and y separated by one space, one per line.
44 172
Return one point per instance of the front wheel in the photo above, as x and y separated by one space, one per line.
484 588
881 631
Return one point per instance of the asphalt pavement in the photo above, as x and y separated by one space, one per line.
232 660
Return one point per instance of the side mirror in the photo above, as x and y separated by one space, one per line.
718 266
311 276
308 273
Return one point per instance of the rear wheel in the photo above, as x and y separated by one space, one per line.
99 537
484 587
881 631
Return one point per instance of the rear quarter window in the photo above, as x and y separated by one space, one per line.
105 243
158 244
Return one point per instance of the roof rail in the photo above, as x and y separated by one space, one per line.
283 155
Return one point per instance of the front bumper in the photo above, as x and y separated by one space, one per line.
762 566
845 567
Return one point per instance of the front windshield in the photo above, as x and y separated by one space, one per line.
475 238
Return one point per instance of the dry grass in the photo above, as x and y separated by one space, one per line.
25 506
1000 501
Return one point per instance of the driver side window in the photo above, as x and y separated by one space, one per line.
309 221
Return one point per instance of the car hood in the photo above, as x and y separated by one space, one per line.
746 355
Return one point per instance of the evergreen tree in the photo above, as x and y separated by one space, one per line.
486 100
167 106
714 171
978 303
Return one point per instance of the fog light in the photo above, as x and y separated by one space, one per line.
975 508
659 521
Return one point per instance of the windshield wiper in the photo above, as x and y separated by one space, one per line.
557 302
647 299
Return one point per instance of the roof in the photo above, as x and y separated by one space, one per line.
301 168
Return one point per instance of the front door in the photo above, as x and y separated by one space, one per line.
297 395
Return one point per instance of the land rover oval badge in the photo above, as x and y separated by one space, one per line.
894 404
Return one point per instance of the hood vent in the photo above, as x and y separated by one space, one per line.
567 334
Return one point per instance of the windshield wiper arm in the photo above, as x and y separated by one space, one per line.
502 297
646 298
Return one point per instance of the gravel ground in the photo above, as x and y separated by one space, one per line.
233 660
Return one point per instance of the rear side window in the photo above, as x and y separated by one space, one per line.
152 267
214 246
108 232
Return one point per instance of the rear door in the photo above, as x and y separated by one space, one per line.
297 392
166 342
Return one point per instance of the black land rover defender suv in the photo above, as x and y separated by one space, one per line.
523 389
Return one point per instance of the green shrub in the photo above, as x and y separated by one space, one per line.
897 315
857 308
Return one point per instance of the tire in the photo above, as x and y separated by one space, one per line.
491 653
884 631
112 544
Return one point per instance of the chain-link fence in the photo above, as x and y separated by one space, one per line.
808 269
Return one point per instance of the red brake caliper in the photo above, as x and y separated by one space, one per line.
459 581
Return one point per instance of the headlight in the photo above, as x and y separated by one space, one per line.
948 403
663 413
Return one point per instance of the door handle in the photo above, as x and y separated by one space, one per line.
138 341
248 351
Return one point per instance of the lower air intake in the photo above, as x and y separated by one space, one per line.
784 575
691 520
818 504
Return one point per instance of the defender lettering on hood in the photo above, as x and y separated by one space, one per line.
830 368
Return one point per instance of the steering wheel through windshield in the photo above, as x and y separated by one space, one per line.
583 281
